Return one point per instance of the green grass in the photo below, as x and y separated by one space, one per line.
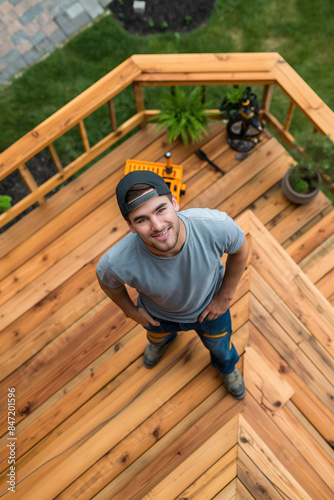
299 31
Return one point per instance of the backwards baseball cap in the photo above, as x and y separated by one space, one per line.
158 184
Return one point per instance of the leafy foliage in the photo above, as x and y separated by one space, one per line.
235 94
317 156
184 115
5 202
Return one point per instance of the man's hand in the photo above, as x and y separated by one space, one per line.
144 318
235 266
121 298
215 308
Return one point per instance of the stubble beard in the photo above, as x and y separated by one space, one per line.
161 246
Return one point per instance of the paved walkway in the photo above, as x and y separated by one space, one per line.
29 29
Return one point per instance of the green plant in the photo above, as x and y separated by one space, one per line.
151 23
317 156
188 19
5 202
235 94
164 25
184 115
231 102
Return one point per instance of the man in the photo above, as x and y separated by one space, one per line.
173 260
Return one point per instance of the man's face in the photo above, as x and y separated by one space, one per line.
157 224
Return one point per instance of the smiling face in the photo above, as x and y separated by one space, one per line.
158 225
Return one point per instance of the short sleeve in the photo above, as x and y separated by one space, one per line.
234 236
106 273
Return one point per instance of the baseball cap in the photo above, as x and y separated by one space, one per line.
158 184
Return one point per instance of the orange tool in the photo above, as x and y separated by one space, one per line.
172 174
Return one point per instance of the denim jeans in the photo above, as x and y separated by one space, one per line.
215 335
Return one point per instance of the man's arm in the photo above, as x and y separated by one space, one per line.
235 266
122 299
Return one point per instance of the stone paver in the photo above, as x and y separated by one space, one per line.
29 29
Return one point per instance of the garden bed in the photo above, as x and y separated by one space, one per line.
161 16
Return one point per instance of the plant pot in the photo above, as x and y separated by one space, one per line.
298 198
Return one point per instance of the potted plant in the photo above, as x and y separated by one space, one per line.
184 115
314 169
231 102
240 110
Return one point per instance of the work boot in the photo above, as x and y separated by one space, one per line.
153 354
234 384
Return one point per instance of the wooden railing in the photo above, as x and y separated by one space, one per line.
267 69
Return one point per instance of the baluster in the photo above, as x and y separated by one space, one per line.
29 181
55 157
203 87
266 100
289 116
112 115
138 95
84 137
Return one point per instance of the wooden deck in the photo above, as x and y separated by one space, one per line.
75 361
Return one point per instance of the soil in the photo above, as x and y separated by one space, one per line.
161 16
42 168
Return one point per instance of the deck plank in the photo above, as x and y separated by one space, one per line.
325 285
254 481
320 261
304 481
166 425
288 350
75 359
296 330
290 426
228 493
317 235
214 479
194 465
292 219
308 402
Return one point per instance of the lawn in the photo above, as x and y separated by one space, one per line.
299 31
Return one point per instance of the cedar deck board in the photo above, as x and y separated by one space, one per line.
60 300
189 405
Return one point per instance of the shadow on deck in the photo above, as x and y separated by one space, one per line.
75 360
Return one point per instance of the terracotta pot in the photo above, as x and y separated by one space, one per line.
298 198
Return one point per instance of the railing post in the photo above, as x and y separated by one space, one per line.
266 99
138 95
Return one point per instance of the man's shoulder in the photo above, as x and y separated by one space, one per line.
117 255
204 214
125 245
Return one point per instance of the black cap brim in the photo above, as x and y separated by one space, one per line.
139 177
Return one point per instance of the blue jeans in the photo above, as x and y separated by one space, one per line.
215 335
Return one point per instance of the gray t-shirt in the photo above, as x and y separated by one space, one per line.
175 288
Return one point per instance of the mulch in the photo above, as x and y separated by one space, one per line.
42 168
161 16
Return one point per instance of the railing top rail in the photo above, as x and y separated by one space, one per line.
68 116
261 67
203 63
